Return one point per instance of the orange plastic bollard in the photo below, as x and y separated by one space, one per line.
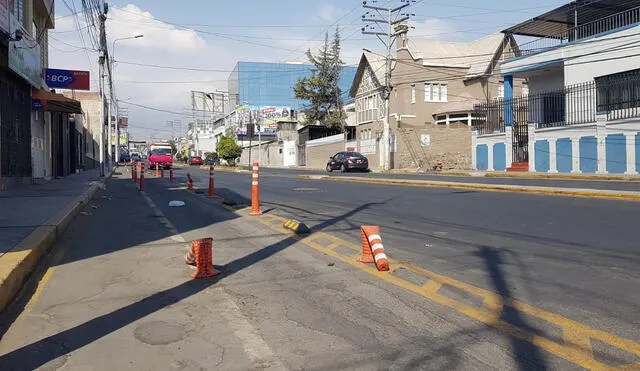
134 172
255 191
211 190
157 170
373 241
367 254
189 182
171 175
203 251
162 173
142 177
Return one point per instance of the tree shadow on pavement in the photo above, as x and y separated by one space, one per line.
525 352
36 354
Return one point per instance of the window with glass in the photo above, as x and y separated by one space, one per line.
436 92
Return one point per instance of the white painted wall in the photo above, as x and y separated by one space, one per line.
587 58
547 81
327 140
290 153
613 53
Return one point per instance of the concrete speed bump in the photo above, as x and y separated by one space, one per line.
296 226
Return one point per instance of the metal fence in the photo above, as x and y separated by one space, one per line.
489 117
572 105
620 98
612 22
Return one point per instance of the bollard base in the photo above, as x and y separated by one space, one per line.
255 213
209 273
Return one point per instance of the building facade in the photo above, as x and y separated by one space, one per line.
582 114
434 87
271 84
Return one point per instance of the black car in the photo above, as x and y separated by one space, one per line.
346 161
125 158
136 157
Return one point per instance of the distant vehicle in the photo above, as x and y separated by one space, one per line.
212 161
125 158
195 160
347 161
160 154
135 156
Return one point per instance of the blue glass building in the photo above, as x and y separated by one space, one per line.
271 84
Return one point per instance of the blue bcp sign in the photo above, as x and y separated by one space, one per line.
67 79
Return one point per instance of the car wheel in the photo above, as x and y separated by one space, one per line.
329 169
343 168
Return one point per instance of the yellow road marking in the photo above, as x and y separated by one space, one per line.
39 289
577 337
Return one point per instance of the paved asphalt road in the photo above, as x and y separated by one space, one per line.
577 257
116 294
563 183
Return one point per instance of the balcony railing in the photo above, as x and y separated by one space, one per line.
577 104
606 24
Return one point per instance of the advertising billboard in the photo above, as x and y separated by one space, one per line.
266 117
67 79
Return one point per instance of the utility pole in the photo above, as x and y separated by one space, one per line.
101 61
389 17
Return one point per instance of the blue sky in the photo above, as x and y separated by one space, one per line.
214 35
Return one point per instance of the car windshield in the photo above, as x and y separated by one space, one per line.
197 158
161 151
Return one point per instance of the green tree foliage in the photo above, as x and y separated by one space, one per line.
179 156
229 150
322 91
174 149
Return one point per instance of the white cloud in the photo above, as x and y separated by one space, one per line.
327 12
131 20
433 28
170 45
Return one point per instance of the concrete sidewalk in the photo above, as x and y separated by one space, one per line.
31 220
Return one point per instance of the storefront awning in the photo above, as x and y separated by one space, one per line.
43 100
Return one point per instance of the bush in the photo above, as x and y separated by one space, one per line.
229 150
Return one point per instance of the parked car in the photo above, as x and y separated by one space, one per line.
125 158
347 161
136 157
195 160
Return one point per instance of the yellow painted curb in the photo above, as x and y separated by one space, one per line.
622 195
562 176
16 265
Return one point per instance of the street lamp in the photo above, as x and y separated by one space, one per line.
114 100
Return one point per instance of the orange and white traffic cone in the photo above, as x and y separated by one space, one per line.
190 258
371 238
367 254
255 191
203 251
189 182
171 175
157 170
211 189
162 173
142 177
134 170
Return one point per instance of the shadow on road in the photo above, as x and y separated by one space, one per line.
45 350
527 355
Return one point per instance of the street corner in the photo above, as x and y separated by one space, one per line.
296 226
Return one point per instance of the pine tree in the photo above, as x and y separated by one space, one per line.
322 91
